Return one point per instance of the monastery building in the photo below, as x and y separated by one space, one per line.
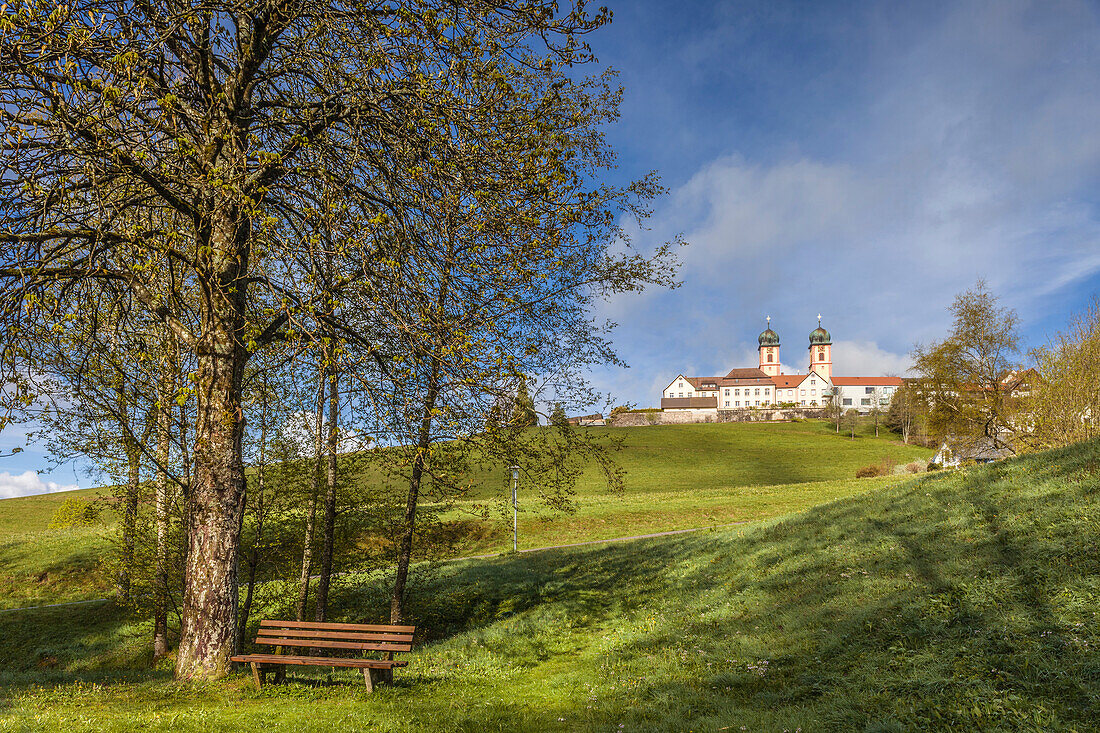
767 386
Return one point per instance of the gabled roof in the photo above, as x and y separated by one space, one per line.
746 374
788 381
867 381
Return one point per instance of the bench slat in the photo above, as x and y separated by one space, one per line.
349 635
272 623
318 661
321 643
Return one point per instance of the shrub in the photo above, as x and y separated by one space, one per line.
74 512
869 471
914 467
933 466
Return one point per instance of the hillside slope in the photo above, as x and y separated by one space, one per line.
676 477
956 601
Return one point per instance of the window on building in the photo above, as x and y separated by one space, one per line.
770 358
758 403
821 353
727 393
737 392
803 403
813 392
758 393
813 381
680 385
727 403
680 395
803 394
868 390
865 401
847 401
737 403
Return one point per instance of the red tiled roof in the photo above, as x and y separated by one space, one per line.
746 374
788 381
867 381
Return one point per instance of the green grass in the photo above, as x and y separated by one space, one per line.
676 477
663 458
40 565
954 601
32 513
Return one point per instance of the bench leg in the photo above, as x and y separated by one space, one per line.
280 674
387 676
257 675
370 678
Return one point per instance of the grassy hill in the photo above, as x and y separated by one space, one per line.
676 477
954 601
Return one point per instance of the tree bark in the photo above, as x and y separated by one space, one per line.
311 511
330 495
217 491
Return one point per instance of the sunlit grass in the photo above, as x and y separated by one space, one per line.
676 477
954 601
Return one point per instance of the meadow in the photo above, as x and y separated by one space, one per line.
676 477
962 600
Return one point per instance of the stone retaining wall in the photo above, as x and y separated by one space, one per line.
685 417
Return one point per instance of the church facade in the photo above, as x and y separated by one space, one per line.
767 385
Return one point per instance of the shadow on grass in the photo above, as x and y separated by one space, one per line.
954 601
95 642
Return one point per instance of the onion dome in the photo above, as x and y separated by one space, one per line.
769 337
819 335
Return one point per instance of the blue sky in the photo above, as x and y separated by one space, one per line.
866 161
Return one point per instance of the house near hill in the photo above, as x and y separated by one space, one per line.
767 386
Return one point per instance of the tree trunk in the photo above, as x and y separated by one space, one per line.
163 502
330 495
311 511
217 491
404 553
129 521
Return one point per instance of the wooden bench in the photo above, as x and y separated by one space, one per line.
318 637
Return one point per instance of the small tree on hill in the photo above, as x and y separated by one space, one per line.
834 411
851 421
962 377
523 407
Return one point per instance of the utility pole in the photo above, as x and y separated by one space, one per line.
515 510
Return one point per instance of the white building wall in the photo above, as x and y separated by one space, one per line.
861 397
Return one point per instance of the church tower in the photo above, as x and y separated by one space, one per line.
821 351
769 351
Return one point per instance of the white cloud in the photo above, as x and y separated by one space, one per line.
866 359
29 483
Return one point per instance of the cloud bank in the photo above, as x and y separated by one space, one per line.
29 483
961 144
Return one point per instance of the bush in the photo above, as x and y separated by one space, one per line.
74 512
933 466
869 471
914 467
